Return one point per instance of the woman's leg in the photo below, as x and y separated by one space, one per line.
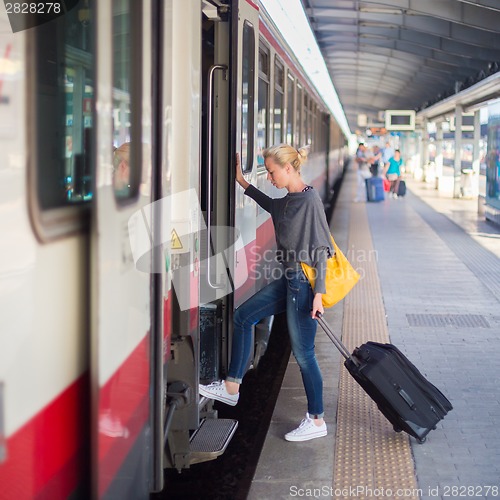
302 330
361 187
266 302
396 185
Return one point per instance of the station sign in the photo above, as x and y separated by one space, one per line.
400 119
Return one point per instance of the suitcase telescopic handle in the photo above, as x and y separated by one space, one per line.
336 341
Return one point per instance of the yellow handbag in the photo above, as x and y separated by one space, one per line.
340 277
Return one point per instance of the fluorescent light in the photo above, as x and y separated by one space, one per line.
290 19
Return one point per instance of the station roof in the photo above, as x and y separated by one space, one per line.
404 54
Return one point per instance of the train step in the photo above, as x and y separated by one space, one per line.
211 439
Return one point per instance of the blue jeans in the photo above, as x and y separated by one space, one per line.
291 293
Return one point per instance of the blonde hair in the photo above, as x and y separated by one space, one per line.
284 153
121 153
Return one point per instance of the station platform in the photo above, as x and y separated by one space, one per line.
430 284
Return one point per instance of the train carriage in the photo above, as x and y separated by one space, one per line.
126 245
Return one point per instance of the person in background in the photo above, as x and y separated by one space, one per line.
302 234
387 153
393 172
363 159
375 160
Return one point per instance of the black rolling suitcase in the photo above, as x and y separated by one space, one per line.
402 188
405 397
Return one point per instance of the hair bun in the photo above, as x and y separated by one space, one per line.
303 153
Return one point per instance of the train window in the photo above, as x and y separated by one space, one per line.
289 109
298 107
63 79
279 91
314 127
312 109
247 97
263 105
309 119
126 173
305 120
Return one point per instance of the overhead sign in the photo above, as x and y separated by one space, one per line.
467 122
400 119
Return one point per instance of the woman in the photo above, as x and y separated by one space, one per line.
393 172
302 234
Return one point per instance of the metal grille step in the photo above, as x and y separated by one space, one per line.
441 320
211 439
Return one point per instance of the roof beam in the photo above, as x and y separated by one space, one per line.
392 48
457 34
396 10
487 4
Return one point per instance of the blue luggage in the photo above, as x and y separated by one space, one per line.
375 189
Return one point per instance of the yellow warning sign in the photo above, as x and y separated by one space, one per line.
176 241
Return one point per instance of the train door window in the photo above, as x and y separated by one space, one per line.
247 97
290 108
61 174
299 114
126 173
279 91
263 104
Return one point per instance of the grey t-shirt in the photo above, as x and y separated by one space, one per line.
301 229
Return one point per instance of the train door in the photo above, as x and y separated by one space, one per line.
202 266
121 328
244 133
229 51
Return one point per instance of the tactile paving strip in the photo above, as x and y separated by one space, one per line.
371 460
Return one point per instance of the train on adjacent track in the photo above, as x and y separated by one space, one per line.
126 244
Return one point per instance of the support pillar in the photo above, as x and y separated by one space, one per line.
476 154
424 154
457 176
439 153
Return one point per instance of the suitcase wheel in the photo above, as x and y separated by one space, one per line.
397 429
422 440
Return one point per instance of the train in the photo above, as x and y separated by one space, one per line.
126 244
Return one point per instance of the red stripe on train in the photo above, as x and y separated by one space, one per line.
255 6
254 255
48 456
123 412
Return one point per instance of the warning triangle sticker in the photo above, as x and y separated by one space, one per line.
176 241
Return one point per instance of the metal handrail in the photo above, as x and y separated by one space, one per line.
211 77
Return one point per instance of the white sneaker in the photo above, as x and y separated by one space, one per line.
217 390
307 430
